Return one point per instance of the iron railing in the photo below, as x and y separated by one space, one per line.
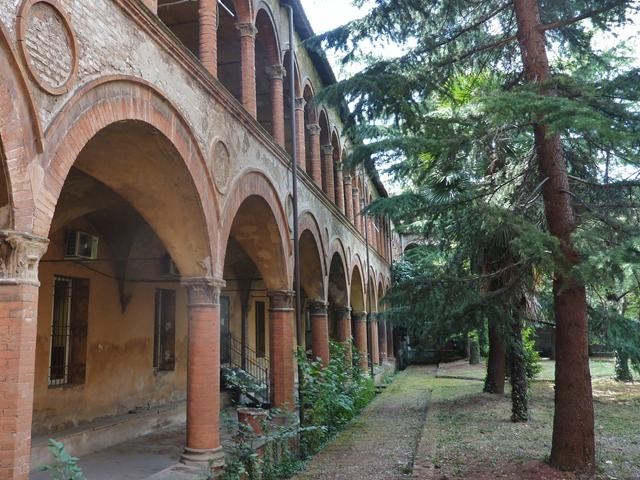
236 356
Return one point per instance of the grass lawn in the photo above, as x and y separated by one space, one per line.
473 437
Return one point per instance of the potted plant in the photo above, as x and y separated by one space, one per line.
246 395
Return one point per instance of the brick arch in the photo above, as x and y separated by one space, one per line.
266 25
325 126
335 142
244 10
338 252
313 283
298 82
275 265
20 137
357 291
372 288
309 95
106 104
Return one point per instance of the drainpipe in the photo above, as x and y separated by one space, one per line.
294 174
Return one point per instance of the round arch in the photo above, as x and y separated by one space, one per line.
313 269
357 290
244 10
117 108
275 264
338 283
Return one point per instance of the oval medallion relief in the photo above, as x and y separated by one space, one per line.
221 166
48 45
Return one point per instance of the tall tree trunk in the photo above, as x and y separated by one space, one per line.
623 373
518 373
573 445
496 363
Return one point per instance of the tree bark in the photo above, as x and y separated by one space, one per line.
518 374
496 364
623 373
573 445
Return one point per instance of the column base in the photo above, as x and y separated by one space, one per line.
213 459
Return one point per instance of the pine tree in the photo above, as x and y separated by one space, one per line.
540 120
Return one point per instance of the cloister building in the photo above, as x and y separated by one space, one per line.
146 215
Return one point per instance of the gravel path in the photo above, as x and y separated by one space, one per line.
381 443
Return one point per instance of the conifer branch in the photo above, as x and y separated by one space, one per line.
579 18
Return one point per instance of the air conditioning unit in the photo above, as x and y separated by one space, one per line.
81 245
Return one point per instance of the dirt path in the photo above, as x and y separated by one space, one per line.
381 443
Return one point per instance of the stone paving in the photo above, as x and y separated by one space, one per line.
382 443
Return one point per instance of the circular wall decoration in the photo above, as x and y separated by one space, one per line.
48 45
221 166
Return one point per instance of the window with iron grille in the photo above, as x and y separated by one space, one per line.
261 330
68 361
164 352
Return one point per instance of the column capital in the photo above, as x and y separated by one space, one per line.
280 300
314 129
359 315
20 255
342 311
347 179
356 190
247 29
318 307
300 103
203 292
327 150
276 72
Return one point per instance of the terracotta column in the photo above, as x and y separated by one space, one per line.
203 374
357 218
360 336
302 154
343 319
339 186
348 197
151 5
276 73
373 331
208 17
281 349
316 166
390 352
319 330
382 340
20 255
248 66
327 178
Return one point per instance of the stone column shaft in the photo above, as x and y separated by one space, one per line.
281 349
248 67
320 331
327 178
343 320
203 374
276 74
316 165
348 197
360 336
373 330
20 254
302 154
208 42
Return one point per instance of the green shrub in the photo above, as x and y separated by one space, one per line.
532 357
64 466
331 395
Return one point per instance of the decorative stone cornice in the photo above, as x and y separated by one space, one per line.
20 254
247 29
327 150
280 300
318 307
276 72
203 292
314 129
300 103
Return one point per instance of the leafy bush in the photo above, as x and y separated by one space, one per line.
64 466
332 395
532 357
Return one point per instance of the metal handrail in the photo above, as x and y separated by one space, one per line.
243 357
